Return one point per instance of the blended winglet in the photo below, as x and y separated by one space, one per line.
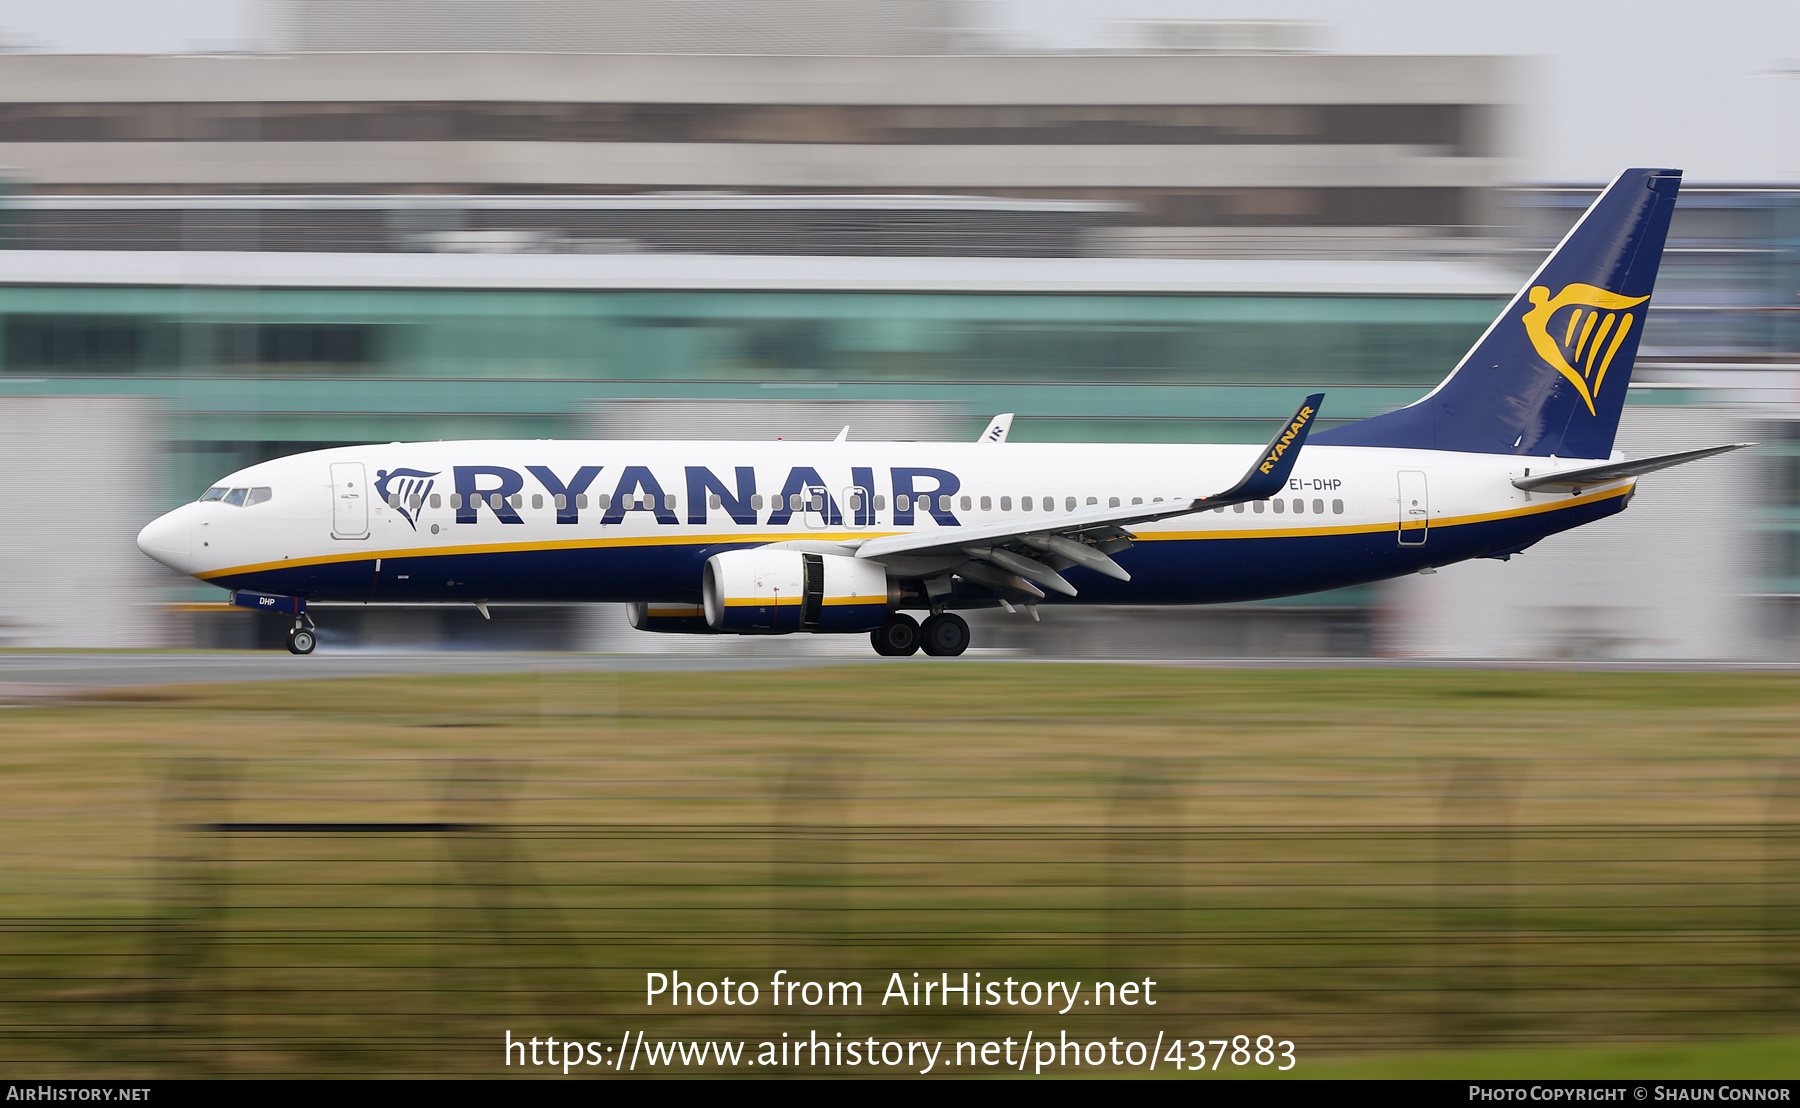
1270 473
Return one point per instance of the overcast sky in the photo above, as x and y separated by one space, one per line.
1692 84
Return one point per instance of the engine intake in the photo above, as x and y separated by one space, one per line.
774 591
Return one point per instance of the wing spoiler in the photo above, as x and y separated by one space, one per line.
1618 471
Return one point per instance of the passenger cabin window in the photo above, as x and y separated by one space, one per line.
1024 503
604 501
987 503
1068 504
581 500
944 504
1093 501
1137 500
562 501
1299 507
1279 506
235 497
537 500
669 502
756 501
1238 508
1318 507
713 501
880 502
455 500
216 493
965 503
437 501
1006 503
902 503
259 495
1113 503
1257 507
1337 507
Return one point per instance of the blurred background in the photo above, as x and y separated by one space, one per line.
238 229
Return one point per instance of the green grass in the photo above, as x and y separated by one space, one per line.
1376 864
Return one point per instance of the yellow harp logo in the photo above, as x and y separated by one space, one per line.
1593 317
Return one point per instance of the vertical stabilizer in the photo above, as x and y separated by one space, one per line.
1549 376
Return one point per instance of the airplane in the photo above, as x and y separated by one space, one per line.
847 537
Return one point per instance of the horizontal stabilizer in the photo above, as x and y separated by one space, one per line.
1618 471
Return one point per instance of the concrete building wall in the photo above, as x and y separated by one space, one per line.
81 479
583 78
626 26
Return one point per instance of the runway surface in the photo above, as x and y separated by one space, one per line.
25 675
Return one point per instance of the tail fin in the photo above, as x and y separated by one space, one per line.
1549 376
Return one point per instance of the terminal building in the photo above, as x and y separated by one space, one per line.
240 257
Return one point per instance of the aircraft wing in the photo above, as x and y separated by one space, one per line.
1616 471
1015 554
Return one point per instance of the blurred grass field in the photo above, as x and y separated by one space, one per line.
1408 873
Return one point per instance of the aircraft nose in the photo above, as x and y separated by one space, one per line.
167 539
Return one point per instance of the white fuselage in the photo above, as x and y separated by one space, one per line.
638 518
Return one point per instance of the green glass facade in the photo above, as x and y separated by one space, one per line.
247 373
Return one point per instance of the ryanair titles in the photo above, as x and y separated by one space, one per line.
1280 447
916 490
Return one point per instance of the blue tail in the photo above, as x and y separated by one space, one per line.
1549 376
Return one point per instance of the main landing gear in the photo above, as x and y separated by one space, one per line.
301 639
944 635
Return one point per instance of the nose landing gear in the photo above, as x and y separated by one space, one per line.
301 639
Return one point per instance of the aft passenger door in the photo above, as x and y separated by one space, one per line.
349 501
1415 508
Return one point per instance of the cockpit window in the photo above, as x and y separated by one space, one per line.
258 495
235 497
213 494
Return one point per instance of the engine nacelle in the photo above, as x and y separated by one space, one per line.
670 619
773 591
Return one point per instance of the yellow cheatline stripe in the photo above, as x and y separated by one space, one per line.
707 540
1384 528
560 544
784 601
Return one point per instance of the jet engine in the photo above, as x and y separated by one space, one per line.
772 591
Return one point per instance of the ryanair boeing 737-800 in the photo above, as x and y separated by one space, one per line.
847 537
